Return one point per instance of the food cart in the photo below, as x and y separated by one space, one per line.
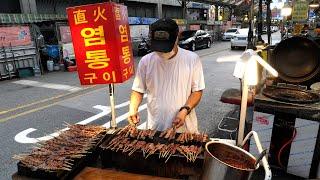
90 152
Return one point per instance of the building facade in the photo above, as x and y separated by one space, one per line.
47 25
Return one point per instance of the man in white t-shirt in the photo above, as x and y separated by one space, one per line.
173 80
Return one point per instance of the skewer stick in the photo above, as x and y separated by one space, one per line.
181 151
168 158
68 163
66 124
167 153
147 155
134 149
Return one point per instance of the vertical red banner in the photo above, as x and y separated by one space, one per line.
101 40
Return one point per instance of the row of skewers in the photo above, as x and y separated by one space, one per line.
59 152
130 139
169 134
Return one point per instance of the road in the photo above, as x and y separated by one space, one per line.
275 37
34 109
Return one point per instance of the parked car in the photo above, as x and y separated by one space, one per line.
228 34
194 39
274 28
240 39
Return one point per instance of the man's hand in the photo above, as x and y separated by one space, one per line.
135 101
134 118
180 118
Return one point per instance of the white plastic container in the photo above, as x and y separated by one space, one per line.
50 65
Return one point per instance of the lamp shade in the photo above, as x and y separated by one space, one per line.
252 72
239 69
247 68
286 10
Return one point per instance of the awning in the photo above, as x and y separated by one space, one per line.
29 18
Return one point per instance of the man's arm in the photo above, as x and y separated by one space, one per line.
192 102
135 101
194 99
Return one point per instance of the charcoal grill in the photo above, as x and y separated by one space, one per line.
289 110
291 95
176 167
297 60
78 164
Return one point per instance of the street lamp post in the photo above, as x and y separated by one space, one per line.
268 2
260 25
184 9
285 12
250 33
183 4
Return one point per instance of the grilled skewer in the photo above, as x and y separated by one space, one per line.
59 152
131 139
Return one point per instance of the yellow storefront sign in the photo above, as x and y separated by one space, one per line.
297 29
300 11
180 21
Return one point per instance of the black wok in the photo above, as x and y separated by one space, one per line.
297 60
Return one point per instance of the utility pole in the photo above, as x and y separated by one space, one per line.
260 22
183 4
184 9
268 2
250 33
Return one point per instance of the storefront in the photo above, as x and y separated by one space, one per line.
197 11
21 40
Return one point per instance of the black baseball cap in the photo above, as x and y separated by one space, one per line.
163 35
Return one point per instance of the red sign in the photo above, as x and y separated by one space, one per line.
262 120
15 36
101 41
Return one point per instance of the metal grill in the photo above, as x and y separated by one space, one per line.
291 95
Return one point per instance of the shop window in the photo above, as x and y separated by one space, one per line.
140 9
140 12
172 12
149 13
10 6
131 12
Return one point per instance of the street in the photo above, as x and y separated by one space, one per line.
33 109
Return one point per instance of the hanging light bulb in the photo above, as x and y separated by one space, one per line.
314 4
286 9
246 19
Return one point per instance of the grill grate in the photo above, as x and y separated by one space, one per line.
295 94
